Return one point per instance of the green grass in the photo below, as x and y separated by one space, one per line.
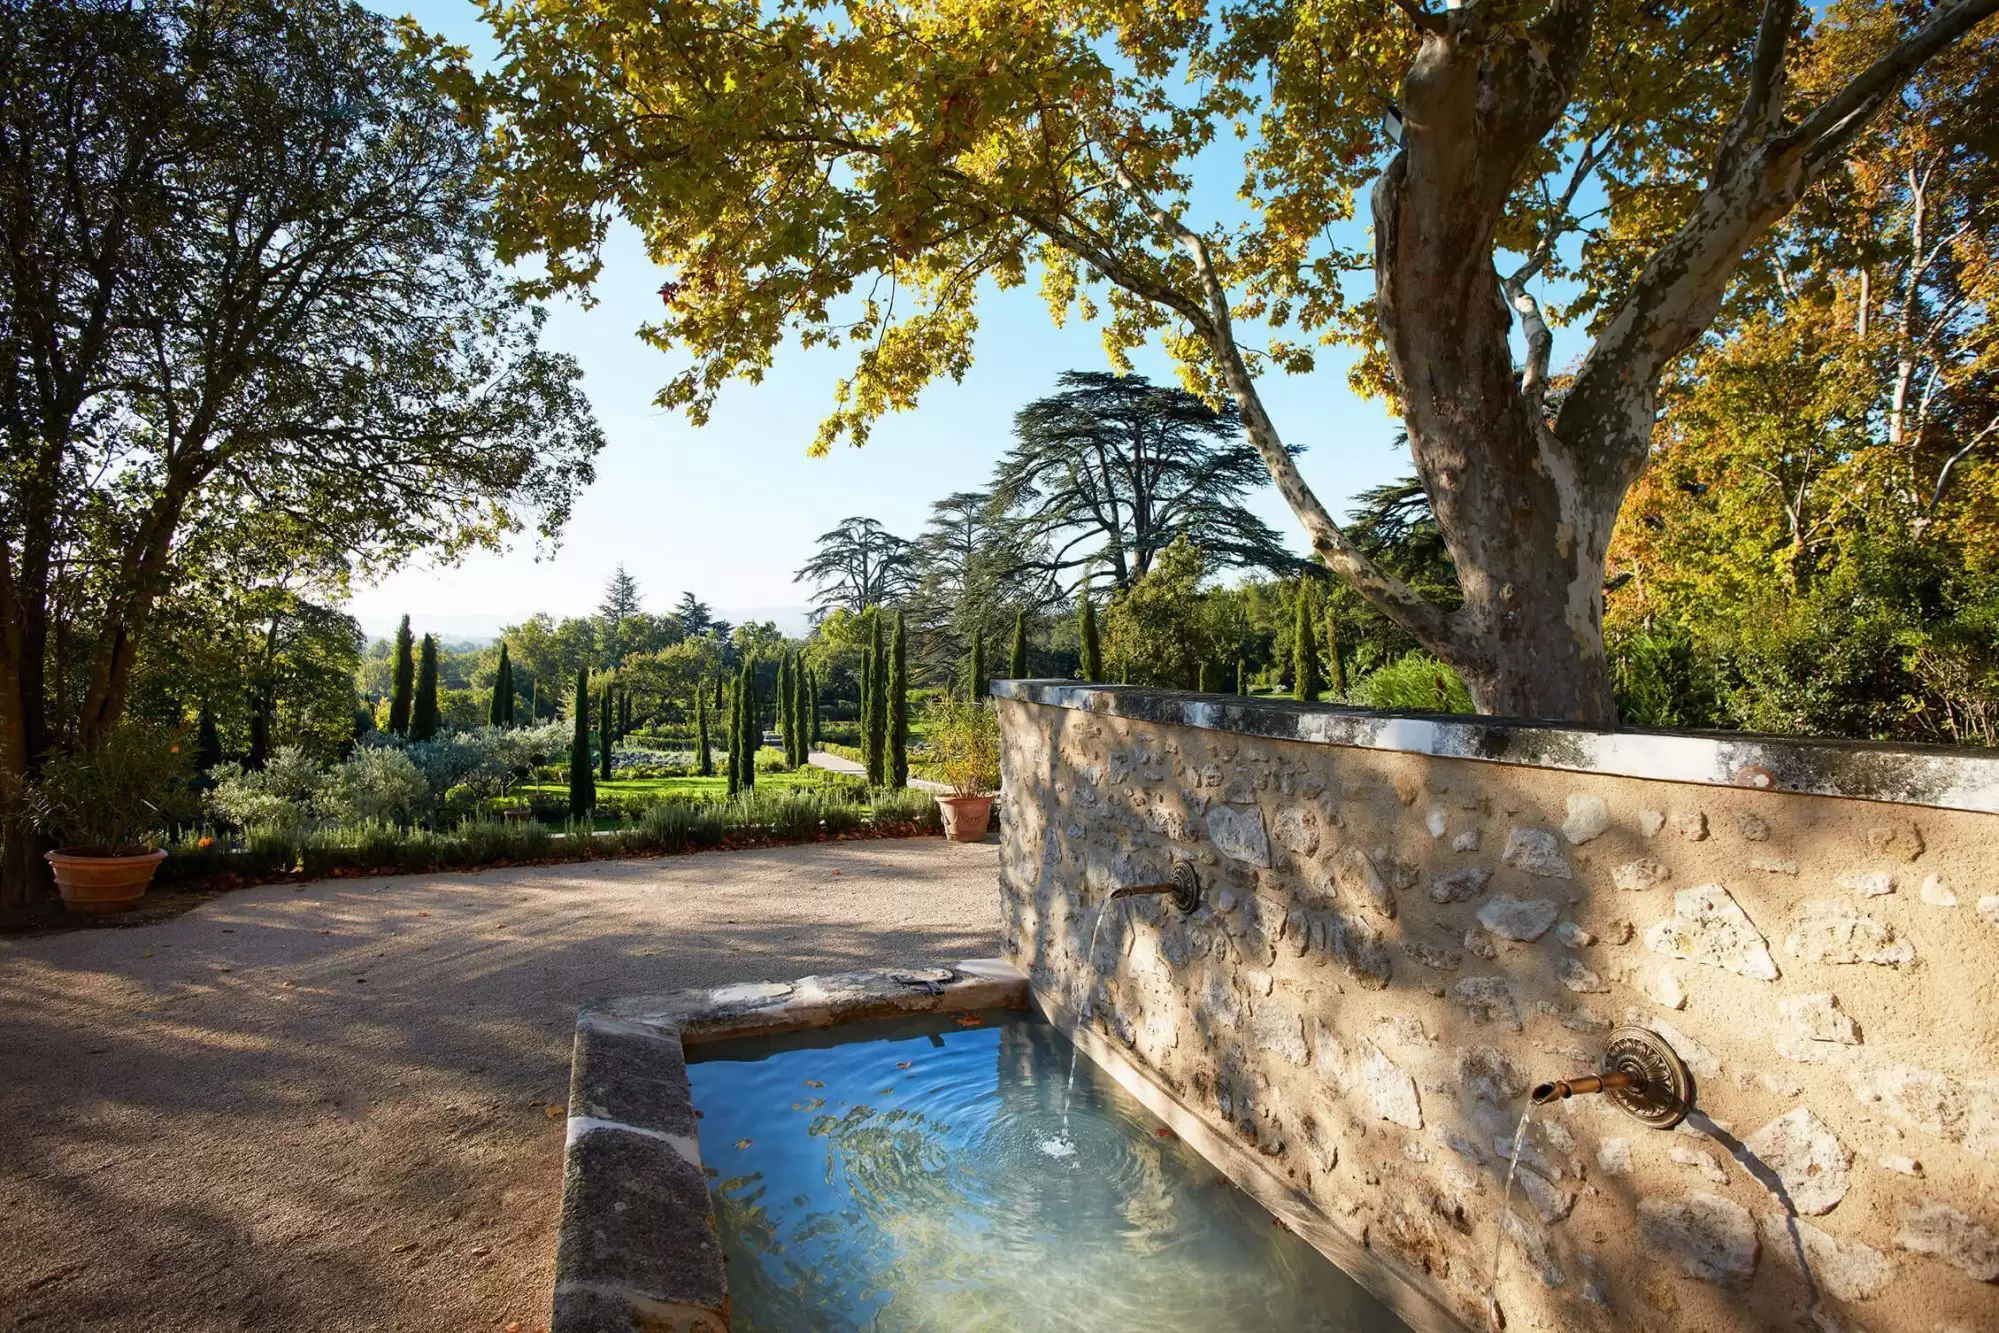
717 786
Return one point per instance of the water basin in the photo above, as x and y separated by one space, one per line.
940 1173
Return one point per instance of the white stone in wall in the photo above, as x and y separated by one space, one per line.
1391 1091
1239 833
1700 1161
1355 874
1901 1166
1691 824
1751 827
1435 820
1533 1246
1705 1063
1573 936
1774 865
1849 1270
1536 852
1489 1074
1489 1000
1551 1203
1988 907
1819 1018
1296 827
1479 943
1706 1236
1956 1110
1709 927
1433 956
1525 920
1868 883
1945 1233
1936 892
1808 1158
1613 1157
1466 841
1662 986
1637 876
1586 819
1900 839
1460 885
1330 1059
1829 930
1651 821
1572 973
1281 1031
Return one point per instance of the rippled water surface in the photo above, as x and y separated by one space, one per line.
929 1176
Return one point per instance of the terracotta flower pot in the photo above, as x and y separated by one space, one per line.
95 883
966 817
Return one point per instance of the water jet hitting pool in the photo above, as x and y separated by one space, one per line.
915 1187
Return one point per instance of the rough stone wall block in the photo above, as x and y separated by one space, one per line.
1408 921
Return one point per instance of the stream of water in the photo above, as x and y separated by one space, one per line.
1062 1147
1492 1314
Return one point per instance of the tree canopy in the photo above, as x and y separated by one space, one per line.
852 178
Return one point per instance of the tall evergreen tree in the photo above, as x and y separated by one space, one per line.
735 761
1241 676
402 680
752 728
977 688
260 728
1017 668
1304 652
606 720
704 763
207 741
786 730
499 712
879 695
1334 662
801 708
582 776
867 686
424 717
898 706
1086 628
1201 680
818 735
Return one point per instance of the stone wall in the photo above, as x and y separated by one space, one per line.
1393 946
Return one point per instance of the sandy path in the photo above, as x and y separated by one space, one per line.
338 1106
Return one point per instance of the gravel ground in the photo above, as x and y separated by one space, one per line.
339 1105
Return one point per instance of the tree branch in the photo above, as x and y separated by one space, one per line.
1825 133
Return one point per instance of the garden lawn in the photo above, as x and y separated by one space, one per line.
654 788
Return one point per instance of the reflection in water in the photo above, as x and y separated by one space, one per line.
931 1183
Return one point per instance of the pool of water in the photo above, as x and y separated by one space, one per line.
934 1174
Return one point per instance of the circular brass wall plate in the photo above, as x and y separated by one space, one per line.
1186 886
1665 1091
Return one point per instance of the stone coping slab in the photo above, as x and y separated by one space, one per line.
1943 777
636 1247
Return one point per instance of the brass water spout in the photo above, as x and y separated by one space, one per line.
1642 1075
1182 888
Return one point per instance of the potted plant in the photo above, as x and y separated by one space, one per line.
106 808
965 735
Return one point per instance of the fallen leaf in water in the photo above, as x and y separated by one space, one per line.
970 1021
904 1064
1164 1133
744 1143
1278 1222
554 1112
884 1092
814 1083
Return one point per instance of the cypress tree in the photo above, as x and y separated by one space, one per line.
704 763
1086 625
534 701
1304 652
880 701
498 712
898 707
606 717
752 728
1017 668
1334 662
801 710
812 683
735 762
787 726
402 680
867 685
1201 679
1241 676
582 777
978 686
424 718
207 741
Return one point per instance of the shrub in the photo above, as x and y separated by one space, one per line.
275 799
124 794
966 739
375 785
1414 683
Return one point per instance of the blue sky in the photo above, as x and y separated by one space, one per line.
730 511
